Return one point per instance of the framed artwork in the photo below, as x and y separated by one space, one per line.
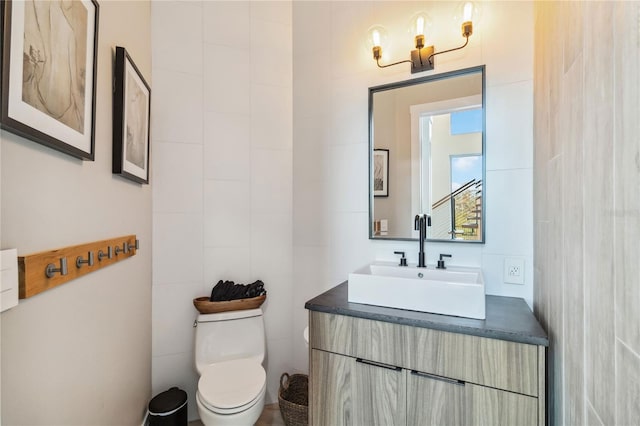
380 172
131 119
49 73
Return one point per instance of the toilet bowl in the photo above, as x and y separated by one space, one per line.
231 393
229 355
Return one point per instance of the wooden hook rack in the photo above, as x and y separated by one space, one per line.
42 271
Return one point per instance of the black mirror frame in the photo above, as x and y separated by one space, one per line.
412 82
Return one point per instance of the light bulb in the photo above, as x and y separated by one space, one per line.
420 25
375 35
377 39
467 13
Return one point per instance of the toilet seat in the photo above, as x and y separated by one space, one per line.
232 386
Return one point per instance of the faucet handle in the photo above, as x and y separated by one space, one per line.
418 218
403 260
441 261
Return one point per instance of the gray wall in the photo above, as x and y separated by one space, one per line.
587 207
80 353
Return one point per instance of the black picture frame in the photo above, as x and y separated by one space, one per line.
48 90
131 120
380 173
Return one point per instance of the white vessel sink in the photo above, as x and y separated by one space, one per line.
452 291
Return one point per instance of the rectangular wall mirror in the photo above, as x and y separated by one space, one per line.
427 155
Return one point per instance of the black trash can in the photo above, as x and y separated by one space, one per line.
169 408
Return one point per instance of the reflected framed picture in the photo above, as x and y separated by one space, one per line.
49 73
380 172
131 120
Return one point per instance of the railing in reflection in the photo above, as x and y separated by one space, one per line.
458 215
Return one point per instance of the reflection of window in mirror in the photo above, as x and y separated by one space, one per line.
454 141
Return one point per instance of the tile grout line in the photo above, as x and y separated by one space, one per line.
622 342
615 237
203 157
588 402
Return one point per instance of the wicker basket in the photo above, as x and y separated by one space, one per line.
204 306
293 398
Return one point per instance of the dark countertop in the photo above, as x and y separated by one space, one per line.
508 318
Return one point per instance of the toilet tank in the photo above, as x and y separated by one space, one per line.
229 335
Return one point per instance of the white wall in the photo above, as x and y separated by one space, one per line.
80 353
222 200
333 69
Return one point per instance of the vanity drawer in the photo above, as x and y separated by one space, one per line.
489 362
336 333
357 337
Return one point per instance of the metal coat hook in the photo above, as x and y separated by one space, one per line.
50 270
88 261
124 249
102 255
128 247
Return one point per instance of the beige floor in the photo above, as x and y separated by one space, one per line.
270 417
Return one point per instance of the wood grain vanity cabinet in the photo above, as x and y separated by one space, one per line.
377 372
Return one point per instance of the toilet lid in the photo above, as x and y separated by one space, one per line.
231 384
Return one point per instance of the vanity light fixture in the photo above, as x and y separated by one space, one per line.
422 56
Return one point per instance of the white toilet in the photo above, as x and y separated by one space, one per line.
229 350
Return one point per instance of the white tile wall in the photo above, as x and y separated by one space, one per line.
277 362
509 206
268 34
175 96
348 121
181 48
349 245
177 185
227 71
271 109
348 180
511 137
508 57
273 11
173 328
227 146
223 176
177 248
271 184
227 22
227 213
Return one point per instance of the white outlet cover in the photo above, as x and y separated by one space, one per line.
514 270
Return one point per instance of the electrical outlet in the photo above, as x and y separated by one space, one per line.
514 270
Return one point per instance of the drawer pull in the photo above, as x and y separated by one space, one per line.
378 364
440 378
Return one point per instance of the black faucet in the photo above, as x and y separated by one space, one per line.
421 223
